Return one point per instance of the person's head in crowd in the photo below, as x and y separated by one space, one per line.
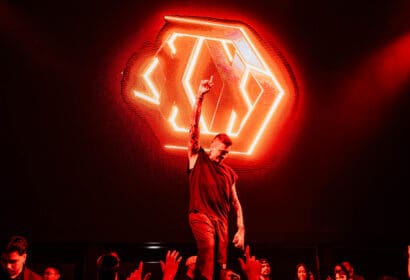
229 274
341 273
190 264
301 271
51 273
14 255
265 268
350 268
108 266
338 267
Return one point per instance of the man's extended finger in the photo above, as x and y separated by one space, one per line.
242 264
147 276
247 252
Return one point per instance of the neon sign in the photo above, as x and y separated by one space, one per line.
251 85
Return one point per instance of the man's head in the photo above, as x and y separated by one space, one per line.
51 273
108 265
341 273
13 256
190 263
349 268
265 267
220 147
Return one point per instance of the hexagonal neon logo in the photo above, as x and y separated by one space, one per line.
250 82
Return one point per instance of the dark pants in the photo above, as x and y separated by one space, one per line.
211 237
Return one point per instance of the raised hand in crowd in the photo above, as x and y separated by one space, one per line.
251 267
170 266
137 273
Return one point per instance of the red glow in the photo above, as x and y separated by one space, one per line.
372 88
251 88
368 94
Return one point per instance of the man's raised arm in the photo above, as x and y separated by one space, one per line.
193 144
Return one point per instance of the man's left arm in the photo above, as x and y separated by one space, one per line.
239 238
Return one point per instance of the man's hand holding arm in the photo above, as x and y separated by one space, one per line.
193 144
239 238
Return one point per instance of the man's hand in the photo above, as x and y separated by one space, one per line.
205 87
250 267
239 239
137 273
170 266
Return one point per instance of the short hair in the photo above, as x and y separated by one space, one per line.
107 266
343 269
224 138
264 260
191 260
56 268
16 243
302 264
108 261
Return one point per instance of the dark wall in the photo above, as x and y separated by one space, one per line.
78 165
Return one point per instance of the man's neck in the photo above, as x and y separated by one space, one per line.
18 276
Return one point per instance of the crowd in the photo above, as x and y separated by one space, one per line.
108 265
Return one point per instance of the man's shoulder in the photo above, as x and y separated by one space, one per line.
31 275
226 166
203 155
230 171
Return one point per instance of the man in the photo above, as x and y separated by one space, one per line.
13 259
51 273
350 269
108 266
190 265
341 272
265 269
212 193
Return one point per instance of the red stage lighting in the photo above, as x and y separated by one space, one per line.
252 89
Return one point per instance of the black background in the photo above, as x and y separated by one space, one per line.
78 165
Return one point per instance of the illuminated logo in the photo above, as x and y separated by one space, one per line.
251 84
